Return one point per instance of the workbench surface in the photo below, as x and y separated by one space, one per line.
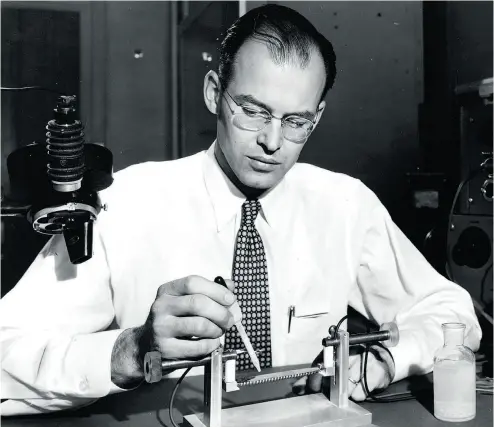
147 406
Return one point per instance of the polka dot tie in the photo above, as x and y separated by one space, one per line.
250 275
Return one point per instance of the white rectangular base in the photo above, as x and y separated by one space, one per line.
313 410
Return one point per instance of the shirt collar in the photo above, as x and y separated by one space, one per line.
227 199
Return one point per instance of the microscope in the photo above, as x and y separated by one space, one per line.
55 184
315 410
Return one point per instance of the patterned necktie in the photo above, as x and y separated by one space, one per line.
250 275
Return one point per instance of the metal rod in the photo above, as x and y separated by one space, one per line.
167 365
212 413
339 385
359 338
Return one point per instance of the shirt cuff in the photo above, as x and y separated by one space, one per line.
407 356
91 356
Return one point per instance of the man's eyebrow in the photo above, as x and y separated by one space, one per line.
309 115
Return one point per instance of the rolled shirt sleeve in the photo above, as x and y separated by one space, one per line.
396 283
55 346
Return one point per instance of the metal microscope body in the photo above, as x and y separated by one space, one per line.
300 411
55 184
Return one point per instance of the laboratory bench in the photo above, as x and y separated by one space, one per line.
147 406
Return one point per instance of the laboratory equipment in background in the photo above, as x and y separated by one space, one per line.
469 236
55 184
452 218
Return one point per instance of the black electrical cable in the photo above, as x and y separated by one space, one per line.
340 322
172 397
369 396
482 283
372 397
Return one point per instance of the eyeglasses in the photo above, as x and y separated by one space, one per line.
254 119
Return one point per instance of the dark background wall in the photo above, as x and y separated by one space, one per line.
137 108
457 50
138 68
370 128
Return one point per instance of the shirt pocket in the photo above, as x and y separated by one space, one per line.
310 321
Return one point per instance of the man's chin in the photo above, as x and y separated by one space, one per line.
261 182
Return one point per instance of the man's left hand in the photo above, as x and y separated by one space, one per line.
380 373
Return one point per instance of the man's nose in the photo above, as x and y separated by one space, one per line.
273 135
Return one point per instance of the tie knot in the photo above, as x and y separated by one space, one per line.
250 209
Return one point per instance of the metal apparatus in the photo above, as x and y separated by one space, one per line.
55 184
301 411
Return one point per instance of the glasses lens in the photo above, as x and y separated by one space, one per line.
294 134
297 129
245 122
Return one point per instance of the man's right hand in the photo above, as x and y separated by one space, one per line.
186 320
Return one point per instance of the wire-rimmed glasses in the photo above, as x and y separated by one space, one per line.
249 117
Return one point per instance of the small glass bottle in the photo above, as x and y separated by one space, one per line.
454 377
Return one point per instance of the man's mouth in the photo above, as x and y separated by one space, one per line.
265 160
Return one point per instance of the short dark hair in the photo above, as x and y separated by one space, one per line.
287 34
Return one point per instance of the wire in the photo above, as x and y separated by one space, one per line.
172 397
427 237
483 386
396 397
340 322
388 398
482 285
25 88
457 195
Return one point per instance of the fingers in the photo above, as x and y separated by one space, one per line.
173 348
202 306
186 309
314 383
199 285
355 374
308 384
378 376
230 284
298 387
195 327
197 297
376 373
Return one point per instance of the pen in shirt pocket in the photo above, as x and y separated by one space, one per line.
292 315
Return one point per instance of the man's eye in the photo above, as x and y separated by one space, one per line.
297 122
254 113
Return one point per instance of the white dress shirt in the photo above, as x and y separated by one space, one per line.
329 243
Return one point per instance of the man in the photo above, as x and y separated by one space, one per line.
301 244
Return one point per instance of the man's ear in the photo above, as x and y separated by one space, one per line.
320 110
212 91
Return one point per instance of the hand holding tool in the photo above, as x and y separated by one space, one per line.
237 316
